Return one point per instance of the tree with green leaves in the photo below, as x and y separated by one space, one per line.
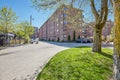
99 15
1 28
18 31
7 20
25 30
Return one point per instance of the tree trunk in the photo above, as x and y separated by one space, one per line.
97 39
116 58
116 5
100 20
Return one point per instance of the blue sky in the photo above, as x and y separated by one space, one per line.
24 9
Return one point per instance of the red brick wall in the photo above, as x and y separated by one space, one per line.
55 27
107 28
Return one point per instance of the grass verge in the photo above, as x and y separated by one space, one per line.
79 64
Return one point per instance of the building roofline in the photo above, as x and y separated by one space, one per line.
62 5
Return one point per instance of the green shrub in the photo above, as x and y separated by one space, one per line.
69 38
79 37
74 36
52 39
58 39
49 39
79 64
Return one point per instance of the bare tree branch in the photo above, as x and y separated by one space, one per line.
94 10
72 1
105 13
111 1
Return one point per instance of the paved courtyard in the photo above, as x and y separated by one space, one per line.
24 62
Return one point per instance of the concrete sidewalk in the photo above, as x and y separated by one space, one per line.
25 62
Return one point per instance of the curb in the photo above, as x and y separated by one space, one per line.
1 48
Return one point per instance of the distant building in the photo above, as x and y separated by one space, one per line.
107 29
64 21
36 33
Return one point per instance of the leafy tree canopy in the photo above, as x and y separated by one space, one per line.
7 19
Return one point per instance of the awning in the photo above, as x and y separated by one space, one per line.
9 35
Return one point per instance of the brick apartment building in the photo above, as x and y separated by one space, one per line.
106 32
36 33
64 21
107 29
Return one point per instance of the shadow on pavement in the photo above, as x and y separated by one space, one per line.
1 48
68 44
74 44
3 54
101 53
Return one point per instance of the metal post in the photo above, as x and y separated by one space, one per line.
30 19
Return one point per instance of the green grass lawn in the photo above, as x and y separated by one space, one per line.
79 64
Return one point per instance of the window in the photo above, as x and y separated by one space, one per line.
65 21
56 19
52 27
65 8
57 30
64 35
84 31
57 24
65 15
64 29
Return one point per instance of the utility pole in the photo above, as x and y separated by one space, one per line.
31 18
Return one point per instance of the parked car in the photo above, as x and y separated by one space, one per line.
89 40
84 40
81 40
34 41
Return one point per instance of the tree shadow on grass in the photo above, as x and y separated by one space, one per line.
106 55
83 47
68 44
8 53
101 53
